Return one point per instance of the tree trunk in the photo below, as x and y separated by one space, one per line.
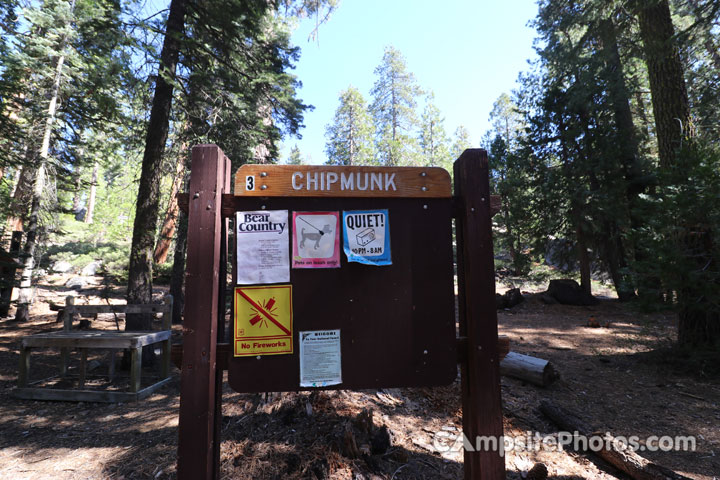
698 318
26 293
535 370
626 460
146 214
91 198
77 193
667 83
177 277
583 259
167 232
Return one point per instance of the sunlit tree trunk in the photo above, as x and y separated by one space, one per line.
25 294
148 201
167 232
93 192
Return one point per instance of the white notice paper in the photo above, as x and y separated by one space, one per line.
320 363
263 254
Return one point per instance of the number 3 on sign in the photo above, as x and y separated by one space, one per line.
250 183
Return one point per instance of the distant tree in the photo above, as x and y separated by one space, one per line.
295 157
393 109
349 138
507 121
433 139
461 142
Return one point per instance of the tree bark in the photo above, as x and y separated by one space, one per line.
535 370
626 460
667 83
93 192
26 293
77 193
167 232
146 214
177 277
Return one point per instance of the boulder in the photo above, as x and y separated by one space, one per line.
77 283
511 298
91 268
61 267
569 292
80 215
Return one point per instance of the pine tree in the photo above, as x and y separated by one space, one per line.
350 135
461 142
433 139
393 110
295 157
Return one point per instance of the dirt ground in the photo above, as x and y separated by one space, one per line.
612 376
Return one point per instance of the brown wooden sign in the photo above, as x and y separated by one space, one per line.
340 181
394 325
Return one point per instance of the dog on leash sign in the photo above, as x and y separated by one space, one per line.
316 240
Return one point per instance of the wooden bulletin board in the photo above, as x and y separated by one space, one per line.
397 322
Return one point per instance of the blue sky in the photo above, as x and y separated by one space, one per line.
467 52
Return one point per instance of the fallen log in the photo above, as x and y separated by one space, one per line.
612 451
531 369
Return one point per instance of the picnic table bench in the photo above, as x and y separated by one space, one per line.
82 340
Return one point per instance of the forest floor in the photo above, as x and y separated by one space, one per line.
615 377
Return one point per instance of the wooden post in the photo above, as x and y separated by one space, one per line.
135 369
167 344
197 441
67 317
111 364
480 373
24 371
83 367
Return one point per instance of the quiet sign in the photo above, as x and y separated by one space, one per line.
367 236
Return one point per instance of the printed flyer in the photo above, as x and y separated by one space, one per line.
320 360
262 247
316 240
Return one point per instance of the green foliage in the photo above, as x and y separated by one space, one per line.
433 139
461 142
394 96
680 240
350 135
295 157
75 244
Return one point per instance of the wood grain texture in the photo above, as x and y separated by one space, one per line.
337 181
95 339
197 442
480 374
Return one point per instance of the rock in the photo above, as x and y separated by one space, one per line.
547 299
91 268
80 215
77 283
511 298
514 297
560 254
380 442
538 472
61 267
568 292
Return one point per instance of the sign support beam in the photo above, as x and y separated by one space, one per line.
198 443
480 372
